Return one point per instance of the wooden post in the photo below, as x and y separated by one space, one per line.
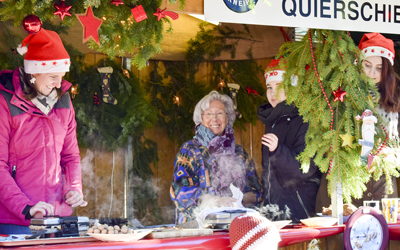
337 202
128 195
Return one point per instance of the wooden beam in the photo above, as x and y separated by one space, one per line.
191 7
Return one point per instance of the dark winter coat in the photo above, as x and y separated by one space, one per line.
284 183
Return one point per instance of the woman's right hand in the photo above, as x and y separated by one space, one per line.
225 201
41 209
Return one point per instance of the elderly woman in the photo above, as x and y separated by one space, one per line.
206 165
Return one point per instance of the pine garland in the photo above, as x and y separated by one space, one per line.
119 34
322 67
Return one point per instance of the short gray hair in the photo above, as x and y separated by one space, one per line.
204 104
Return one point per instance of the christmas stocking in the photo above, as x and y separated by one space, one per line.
233 90
105 73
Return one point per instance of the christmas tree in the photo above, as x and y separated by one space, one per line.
122 31
331 91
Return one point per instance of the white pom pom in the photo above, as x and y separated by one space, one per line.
22 50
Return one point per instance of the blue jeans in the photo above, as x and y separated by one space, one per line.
14 229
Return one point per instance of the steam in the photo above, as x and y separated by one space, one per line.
273 213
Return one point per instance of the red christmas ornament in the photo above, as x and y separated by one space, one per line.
163 13
339 94
32 24
116 2
62 9
251 91
96 100
138 13
91 25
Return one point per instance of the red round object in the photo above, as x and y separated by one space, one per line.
32 24
117 2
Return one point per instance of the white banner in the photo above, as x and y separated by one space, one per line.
357 15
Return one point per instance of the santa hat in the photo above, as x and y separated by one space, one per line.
253 231
374 44
45 53
273 72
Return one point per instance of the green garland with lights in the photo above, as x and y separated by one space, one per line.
119 34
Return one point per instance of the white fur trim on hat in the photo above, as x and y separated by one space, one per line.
276 75
53 66
378 51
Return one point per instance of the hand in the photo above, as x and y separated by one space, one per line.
74 199
225 201
41 209
271 141
249 199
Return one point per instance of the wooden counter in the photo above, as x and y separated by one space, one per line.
219 240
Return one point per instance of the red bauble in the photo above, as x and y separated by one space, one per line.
96 100
339 94
62 10
32 24
116 2
138 13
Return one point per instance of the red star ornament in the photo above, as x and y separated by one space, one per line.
91 25
339 94
163 13
62 10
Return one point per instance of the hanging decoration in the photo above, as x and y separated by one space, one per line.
74 90
347 140
138 13
62 9
126 73
163 13
249 90
91 25
368 132
105 73
117 2
96 99
32 24
339 94
233 91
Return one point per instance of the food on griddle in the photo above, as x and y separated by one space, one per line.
36 228
105 229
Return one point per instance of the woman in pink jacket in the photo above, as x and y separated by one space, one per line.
39 161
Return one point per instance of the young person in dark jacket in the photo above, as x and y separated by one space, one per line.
284 182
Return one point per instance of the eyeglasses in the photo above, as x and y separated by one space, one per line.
218 115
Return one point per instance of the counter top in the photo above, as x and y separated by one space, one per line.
219 240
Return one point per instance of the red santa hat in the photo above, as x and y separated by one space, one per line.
273 72
45 53
374 44
253 231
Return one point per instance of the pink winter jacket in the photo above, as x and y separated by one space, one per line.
42 149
